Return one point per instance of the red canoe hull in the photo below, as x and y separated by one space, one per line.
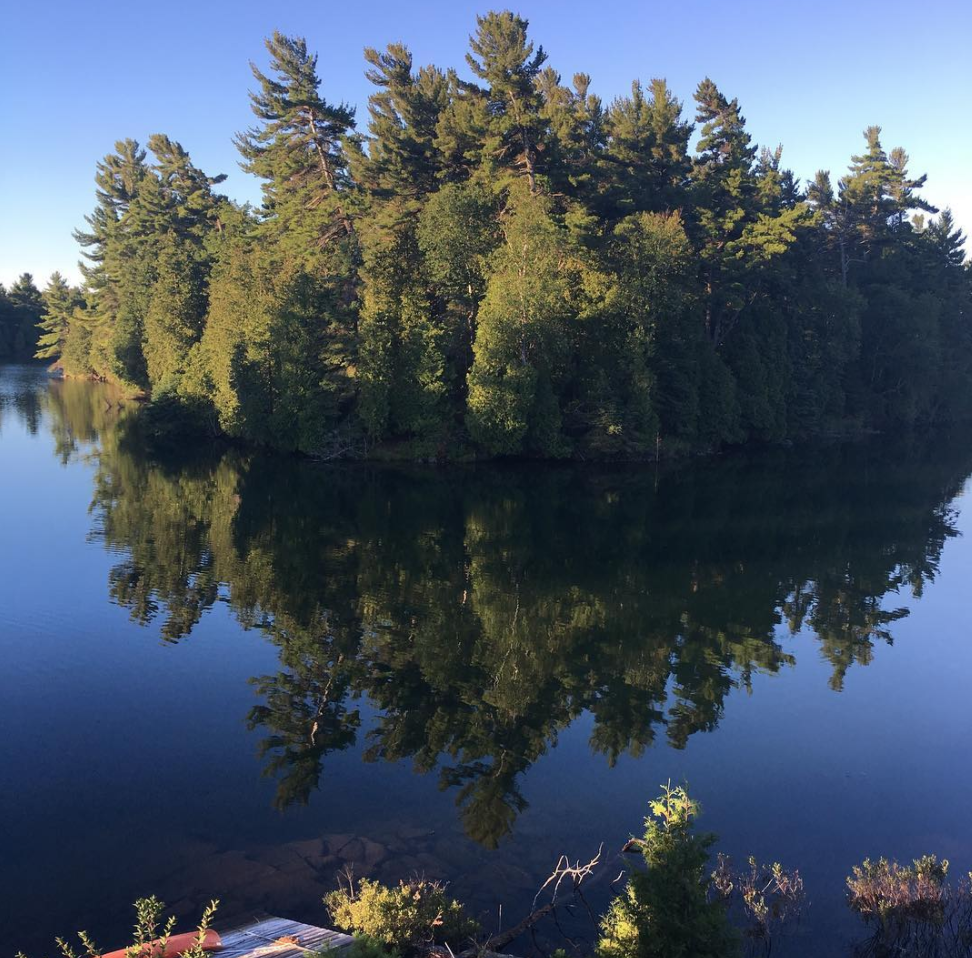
176 945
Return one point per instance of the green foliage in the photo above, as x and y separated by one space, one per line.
297 149
669 909
174 320
402 917
21 309
522 339
911 911
364 946
508 267
640 339
645 160
60 303
502 56
887 892
146 240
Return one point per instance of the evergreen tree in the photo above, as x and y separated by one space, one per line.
60 302
402 345
901 335
947 240
645 164
509 64
509 264
457 232
304 263
522 339
119 271
190 208
833 217
24 307
641 355
722 204
575 133
880 195
667 909
297 150
174 321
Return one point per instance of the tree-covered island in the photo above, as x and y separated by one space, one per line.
506 265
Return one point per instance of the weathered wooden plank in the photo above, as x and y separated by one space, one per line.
259 939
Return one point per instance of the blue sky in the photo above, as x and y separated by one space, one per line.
76 76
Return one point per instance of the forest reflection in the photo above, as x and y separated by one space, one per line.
481 610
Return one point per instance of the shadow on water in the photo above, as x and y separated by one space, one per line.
480 611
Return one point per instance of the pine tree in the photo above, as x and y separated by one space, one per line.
509 64
880 194
401 161
645 164
119 271
834 219
402 366
26 306
307 253
722 203
174 320
947 240
297 150
575 133
60 303
191 210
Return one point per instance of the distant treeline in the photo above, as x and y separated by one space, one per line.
508 266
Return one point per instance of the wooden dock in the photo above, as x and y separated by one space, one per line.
268 937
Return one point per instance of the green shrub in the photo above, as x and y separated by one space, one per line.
364 946
670 909
889 892
912 911
402 917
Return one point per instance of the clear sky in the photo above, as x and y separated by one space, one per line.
76 75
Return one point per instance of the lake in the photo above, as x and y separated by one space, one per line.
230 674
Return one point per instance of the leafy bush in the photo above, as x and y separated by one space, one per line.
889 892
911 909
672 908
402 917
765 896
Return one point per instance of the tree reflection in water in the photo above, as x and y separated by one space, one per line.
482 610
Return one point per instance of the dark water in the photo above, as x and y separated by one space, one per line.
231 674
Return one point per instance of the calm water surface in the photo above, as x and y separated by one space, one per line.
228 675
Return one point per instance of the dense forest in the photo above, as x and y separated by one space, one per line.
501 264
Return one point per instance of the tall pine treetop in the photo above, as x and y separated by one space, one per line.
504 57
297 149
299 127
